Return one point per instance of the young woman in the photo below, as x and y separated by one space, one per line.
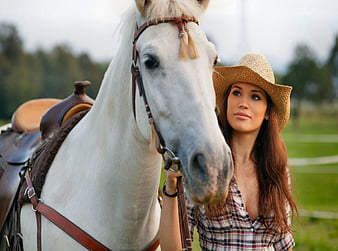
256 214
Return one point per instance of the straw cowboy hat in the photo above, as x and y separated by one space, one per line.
253 69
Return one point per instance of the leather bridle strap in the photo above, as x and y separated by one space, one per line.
134 68
136 75
59 220
183 217
169 157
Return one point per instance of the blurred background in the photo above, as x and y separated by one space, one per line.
45 46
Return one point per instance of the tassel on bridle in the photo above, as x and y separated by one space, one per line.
193 52
190 45
183 51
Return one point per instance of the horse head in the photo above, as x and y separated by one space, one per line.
176 62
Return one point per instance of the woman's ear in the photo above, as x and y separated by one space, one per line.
267 115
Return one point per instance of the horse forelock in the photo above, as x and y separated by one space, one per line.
172 8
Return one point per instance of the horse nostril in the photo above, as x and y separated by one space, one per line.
199 167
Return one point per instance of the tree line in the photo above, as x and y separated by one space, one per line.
25 76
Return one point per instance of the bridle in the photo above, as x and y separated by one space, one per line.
171 161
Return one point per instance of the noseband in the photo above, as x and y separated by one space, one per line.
171 161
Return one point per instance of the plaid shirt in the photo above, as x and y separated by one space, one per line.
234 230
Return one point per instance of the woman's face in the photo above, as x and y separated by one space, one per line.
247 107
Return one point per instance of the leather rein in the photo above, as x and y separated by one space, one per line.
171 162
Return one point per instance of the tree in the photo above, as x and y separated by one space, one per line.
12 70
332 63
10 43
311 81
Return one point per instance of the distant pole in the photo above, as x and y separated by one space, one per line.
243 36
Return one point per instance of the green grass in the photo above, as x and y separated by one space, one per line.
313 124
311 150
316 192
315 187
316 234
3 122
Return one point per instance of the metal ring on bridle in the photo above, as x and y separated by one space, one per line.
171 161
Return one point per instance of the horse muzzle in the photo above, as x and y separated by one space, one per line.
207 176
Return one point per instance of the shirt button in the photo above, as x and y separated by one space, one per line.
252 229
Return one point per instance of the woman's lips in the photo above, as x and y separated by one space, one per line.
242 115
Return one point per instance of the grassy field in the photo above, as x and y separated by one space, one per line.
315 186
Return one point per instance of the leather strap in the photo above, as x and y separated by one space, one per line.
137 78
60 221
136 75
183 218
66 225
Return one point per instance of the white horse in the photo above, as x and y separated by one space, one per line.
105 176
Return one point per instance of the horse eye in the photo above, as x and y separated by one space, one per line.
151 62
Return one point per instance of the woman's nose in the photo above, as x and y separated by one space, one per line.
243 103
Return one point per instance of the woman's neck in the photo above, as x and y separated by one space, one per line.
242 145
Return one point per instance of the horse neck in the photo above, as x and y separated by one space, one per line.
130 171
109 161
125 152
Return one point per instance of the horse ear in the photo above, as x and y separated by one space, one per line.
204 3
142 4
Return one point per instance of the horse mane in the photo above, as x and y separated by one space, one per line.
121 61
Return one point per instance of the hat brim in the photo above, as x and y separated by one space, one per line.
224 77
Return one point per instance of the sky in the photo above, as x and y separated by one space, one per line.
270 27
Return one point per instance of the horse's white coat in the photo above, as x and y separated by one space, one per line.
104 177
5 127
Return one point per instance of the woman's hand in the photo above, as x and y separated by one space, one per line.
171 181
169 225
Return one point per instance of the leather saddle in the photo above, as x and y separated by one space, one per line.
32 123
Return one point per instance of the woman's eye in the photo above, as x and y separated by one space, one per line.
151 62
256 97
236 93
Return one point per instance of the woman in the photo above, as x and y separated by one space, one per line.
256 214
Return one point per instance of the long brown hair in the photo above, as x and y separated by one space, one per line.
270 156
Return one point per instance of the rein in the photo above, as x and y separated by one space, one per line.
171 161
